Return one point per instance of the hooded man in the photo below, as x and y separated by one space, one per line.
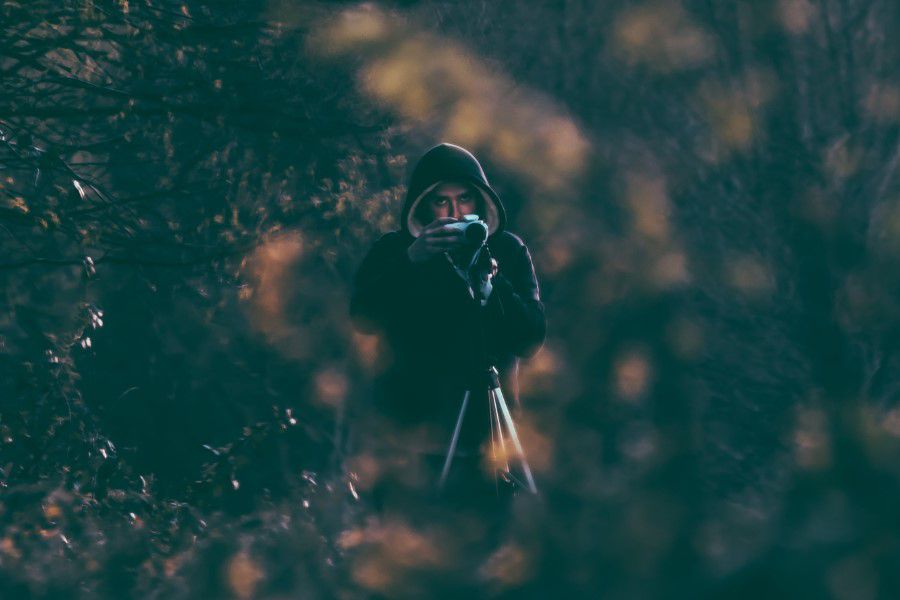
441 323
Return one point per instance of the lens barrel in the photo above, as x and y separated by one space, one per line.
475 233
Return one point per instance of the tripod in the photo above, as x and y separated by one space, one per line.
503 434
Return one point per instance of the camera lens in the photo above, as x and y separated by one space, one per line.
476 233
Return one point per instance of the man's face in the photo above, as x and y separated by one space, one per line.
452 199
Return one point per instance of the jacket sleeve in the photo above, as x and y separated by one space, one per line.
380 289
514 312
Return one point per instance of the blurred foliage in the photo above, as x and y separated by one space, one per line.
710 193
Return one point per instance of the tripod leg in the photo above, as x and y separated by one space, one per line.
494 434
514 436
495 424
453 441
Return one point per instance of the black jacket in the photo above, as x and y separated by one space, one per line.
438 337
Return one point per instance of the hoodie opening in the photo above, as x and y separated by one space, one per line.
415 225
449 163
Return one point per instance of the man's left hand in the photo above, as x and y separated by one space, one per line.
482 282
489 274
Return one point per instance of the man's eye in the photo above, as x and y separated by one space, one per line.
439 201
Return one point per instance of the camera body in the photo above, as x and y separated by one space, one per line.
473 230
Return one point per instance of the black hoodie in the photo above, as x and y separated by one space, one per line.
438 338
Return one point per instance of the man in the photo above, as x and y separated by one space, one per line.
442 323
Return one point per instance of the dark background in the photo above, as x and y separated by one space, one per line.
709 190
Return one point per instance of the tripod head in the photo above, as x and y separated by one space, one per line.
487 379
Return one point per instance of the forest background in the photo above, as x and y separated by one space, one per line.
710 192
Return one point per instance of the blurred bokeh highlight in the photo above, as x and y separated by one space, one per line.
710 194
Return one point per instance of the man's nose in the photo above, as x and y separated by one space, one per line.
456 213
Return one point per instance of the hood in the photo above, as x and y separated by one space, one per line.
443 163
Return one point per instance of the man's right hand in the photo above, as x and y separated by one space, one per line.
435 239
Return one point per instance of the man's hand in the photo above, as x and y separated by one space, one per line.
482 284
434 239
489 274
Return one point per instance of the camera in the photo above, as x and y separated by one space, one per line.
474 231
